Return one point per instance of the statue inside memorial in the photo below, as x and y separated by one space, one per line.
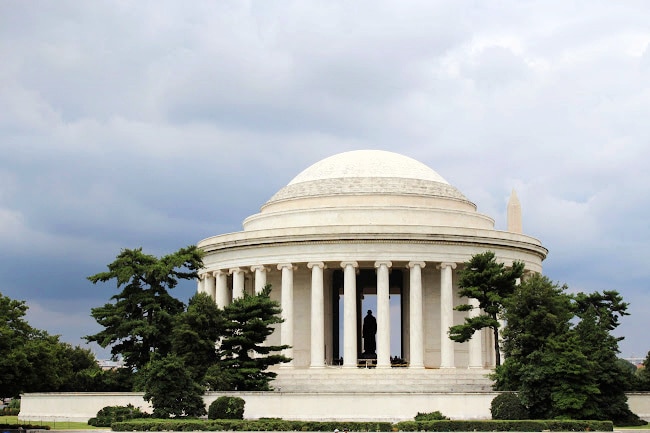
369 331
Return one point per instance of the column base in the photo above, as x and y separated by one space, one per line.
286 366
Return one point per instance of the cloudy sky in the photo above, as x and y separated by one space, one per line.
157 124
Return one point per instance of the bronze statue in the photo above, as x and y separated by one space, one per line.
369 331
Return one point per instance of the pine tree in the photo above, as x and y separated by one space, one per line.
489 282
244 358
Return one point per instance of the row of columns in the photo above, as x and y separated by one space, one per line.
215 284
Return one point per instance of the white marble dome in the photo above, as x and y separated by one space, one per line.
368 163
373 188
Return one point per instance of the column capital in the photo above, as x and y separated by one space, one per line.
286 265
349 263
316 265
443 265
218 272
380 263
414 264
259 267
233 270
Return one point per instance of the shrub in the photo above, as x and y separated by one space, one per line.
226 407
430 416
508 406
110 414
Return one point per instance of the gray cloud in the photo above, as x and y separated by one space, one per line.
157 124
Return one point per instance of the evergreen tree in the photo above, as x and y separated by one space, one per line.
140 321
560 355
599 314
491 283
170 388
195 334
543 360
244 359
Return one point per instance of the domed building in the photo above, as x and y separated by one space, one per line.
366 231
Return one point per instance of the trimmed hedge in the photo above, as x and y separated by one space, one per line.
508 406
110 414
226 407
329 426
22 427
506 425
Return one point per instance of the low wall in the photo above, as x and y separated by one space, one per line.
639 403
293 406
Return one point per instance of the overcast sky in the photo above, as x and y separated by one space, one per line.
157 124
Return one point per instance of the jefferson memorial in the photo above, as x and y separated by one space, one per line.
362 251
366 231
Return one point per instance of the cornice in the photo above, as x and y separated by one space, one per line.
395 238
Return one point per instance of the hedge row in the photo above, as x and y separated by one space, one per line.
405 426
8 427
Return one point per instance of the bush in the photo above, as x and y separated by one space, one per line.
508 406
226 407
110 414
430 416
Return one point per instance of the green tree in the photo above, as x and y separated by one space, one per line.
489 282
537 311
643 374
543 360
560 355
140 321
244 358
195 334
15 332
599 314
31 360
170 388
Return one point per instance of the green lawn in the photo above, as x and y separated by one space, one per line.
54 425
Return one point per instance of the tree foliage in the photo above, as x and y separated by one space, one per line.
140 321
560 355
31 360
170 388
491 283
643 374
244 358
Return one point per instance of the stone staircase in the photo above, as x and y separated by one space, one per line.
373 380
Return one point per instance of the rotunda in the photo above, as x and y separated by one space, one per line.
365 230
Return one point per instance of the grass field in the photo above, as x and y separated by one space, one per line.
61 424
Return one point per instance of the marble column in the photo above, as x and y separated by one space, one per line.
286 302
317 315
349 314
209 285
416 328
260 277
475 344
383 314
446 315
200 283
221 297
237 283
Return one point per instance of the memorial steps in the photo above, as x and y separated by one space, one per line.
373 380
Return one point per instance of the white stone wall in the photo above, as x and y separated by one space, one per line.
293 406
